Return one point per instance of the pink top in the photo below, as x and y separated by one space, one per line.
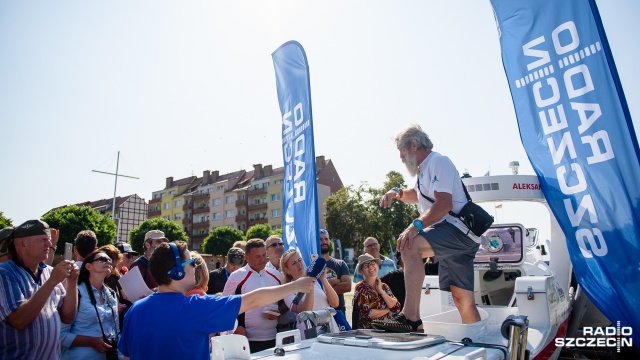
195 292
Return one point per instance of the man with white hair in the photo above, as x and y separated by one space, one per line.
438 191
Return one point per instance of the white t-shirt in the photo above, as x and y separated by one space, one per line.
437 173
258 326
319 302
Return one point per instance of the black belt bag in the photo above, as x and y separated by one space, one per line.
475 218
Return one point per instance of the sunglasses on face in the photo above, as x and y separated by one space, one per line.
276 244
372 245
129 256
103 260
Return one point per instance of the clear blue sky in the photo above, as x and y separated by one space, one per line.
182 87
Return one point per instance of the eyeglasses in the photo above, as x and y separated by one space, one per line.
372 245
368 264
277 244
323 231
103 260
129 255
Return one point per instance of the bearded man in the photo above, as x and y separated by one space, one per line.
438 191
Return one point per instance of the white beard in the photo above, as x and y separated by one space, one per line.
411 162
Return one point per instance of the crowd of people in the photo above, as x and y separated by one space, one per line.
78 310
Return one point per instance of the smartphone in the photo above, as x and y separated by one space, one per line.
68 251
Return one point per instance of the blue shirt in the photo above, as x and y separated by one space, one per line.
86 323
170 325
41 338
386 266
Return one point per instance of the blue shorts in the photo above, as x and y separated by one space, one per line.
454 252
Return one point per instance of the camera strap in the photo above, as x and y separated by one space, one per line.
92 298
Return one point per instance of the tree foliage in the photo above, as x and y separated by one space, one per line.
5 221
354 214
172 231
259 231
70 220
221 239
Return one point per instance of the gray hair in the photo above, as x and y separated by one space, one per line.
413 132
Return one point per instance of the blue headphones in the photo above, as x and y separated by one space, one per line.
177 271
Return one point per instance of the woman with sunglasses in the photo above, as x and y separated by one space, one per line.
321 296
113 281
94 331
372 298
202 276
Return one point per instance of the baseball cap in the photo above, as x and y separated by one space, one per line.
125 248
31 228
235 256
154 234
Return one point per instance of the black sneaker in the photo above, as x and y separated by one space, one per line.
398 324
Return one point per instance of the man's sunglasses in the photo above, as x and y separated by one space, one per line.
277 244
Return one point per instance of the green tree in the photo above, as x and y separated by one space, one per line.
390 222
172 231
221 239
4 221
70 220
354 214
346 216
259 231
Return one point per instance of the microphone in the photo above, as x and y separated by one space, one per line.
315 269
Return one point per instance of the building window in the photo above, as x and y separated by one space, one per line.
228 214
177 216
172 192
275 213
275 197
204 218
220 187
166 206
265 185
216 216
166 217
216 202
276 227
278 182
229 199
177 203
242 226
256 201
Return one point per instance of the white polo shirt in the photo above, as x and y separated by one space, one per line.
245 279
437 173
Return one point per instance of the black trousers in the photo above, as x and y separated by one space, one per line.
255 346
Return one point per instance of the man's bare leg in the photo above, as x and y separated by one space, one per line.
466 304
414 275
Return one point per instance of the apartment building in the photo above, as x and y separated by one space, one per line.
240 199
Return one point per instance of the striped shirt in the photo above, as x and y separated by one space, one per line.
41 338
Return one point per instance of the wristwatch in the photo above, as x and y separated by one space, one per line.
418 224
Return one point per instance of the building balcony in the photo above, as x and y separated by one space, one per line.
258 221
187 206
257 191
200 197
155 201
152 214
253 207
241 218
200 225
201 210
241 202
186 221
198 238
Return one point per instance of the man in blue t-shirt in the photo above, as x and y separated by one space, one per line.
170 325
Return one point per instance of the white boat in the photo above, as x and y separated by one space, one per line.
518 295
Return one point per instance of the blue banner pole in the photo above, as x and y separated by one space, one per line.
576 128
300 229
